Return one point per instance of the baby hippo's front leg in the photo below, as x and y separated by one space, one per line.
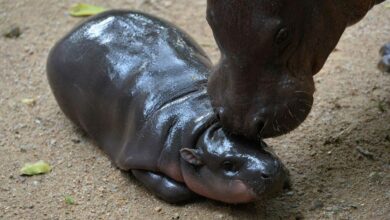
164 187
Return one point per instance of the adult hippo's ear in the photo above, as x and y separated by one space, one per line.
192 156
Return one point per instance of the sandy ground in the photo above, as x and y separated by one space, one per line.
331 180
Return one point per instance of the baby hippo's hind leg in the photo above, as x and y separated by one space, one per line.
164 187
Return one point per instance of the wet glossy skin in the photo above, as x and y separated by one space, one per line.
137 86
263 85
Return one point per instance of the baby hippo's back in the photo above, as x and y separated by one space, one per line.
115 71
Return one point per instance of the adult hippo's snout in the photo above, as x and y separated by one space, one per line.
270 50
281 104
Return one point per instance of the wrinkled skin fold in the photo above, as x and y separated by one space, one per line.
270 49
137 86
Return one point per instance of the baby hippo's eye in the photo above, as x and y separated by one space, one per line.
229 166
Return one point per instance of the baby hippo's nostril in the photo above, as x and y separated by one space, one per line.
265 176
271 170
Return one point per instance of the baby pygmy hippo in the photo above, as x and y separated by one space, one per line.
137 86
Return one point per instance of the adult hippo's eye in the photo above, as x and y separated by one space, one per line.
229 166
282 36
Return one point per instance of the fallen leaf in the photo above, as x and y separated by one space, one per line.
31 169
82 10
69 200
387 5
29 101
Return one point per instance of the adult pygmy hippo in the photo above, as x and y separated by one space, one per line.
137 86
263 85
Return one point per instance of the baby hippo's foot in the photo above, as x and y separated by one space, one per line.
164 187
384 64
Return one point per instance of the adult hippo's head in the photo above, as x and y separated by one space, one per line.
270 49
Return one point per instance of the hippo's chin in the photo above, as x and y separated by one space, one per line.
245 194
237 191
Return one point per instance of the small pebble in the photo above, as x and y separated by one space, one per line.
290 193
385 50
317 204
13 32
176 216
220 216
384 63
299 216
354 206
158 209
375 177
76 141
365 153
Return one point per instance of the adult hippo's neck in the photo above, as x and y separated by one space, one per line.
355 10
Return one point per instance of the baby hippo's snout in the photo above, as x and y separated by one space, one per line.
271 177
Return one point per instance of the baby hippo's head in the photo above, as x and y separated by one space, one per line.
231 169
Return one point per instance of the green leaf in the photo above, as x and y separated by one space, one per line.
69 200
387 5
31 169
82 10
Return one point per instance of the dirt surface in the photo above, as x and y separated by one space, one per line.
331 179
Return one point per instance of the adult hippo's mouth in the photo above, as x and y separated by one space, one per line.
263 84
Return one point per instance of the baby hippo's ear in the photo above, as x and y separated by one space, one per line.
192 156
